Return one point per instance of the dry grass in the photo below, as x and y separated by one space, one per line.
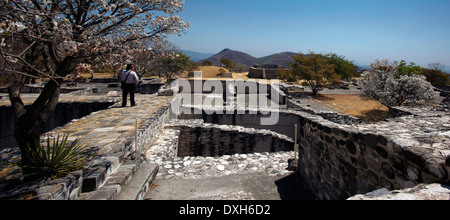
367 109
98 75
108 75
209 72
243 76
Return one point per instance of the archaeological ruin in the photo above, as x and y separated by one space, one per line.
187 129
266 71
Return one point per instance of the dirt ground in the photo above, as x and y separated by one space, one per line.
211 71
367 109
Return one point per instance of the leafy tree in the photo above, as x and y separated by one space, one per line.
207 63
435 77
384 83
407 70
48 38
313 69
175 64
342 66
435 74
240 67
228 64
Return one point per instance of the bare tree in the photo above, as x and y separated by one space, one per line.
437 66
148 57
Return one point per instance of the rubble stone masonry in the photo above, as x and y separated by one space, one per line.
339 161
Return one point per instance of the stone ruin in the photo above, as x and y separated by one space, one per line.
338 157
266 71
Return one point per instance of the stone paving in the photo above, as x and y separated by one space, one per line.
105 127
173 168
274 164
163 152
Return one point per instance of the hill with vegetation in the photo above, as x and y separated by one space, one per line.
239 57
196 56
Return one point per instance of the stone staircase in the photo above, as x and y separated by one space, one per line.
140 183
123 173
130 181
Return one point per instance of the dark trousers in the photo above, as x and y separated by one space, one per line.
128 88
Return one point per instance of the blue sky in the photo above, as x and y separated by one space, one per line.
414 30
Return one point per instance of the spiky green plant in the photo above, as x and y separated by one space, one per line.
57 158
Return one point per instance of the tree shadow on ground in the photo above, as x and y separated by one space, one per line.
374 115
322 97
293 187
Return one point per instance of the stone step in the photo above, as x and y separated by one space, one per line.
139 184
128 182
114 182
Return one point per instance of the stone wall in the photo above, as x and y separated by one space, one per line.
338 162
102 176
263 73
341 160
203 139
229 89
148 88
250 119
32 88
64 112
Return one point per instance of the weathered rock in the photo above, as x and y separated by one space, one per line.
419 192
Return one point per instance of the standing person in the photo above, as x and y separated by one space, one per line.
129 81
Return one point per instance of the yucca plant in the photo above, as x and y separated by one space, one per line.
57 158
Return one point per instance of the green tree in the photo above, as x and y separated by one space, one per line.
343 67
435 74
240 67
407 70
207 63
313 70
175 64
435 77
228 64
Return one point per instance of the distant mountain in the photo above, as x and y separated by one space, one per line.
196 56
278 58
244 58
233 56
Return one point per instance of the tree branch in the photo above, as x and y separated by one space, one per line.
16 101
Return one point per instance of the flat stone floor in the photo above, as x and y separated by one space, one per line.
250 186
254 176
104 127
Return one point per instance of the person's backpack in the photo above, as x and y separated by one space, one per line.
122 83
